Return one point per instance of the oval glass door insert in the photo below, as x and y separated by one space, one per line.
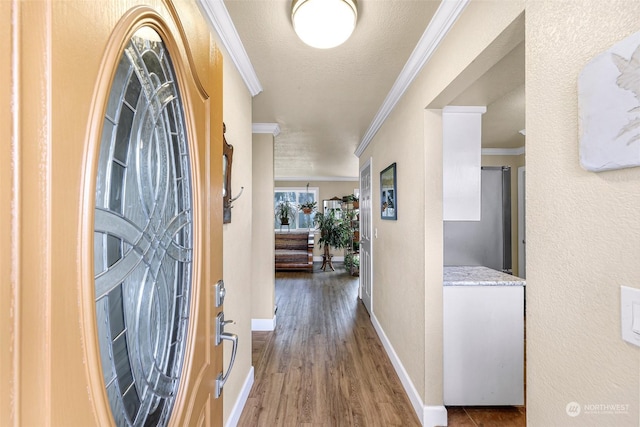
143 236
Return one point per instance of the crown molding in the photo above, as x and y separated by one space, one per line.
316 178
444 18
218 18
503 151
272 128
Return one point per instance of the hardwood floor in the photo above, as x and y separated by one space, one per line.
324 364
494 416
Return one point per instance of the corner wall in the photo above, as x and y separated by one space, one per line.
262 245
237 235
583 228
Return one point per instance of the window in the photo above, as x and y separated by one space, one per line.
143 236
295 196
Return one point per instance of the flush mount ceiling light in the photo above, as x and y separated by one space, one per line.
324 23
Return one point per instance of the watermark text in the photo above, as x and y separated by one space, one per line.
574 409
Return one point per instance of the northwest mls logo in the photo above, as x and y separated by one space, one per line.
573 409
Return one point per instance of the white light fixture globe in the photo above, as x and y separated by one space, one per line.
324 24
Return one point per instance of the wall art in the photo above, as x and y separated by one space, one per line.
609 108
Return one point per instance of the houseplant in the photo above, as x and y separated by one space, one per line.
353 199
308 207
352 263
285 212
334 232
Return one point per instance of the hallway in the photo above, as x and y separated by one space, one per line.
324 364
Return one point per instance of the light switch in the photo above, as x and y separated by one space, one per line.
635 312
630 314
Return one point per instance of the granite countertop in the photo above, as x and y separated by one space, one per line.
478 276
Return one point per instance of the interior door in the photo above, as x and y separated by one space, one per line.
65 58
366 228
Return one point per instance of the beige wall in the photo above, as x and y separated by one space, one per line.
431 298
583 232
326 190
262 244
407 278
514 162
398 250
237 235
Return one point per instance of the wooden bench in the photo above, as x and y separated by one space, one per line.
294 250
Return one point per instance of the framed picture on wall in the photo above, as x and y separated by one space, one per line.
389 193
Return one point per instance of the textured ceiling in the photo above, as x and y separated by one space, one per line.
501 89
325 100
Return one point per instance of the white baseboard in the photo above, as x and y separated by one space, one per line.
241 401
429 416
263 324
414 397
435 416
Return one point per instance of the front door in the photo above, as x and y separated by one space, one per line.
113 182
366 228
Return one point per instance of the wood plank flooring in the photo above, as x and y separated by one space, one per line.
481 416
324 364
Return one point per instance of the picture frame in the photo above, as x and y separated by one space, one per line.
388 193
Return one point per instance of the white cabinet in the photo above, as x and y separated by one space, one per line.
483 345
461 157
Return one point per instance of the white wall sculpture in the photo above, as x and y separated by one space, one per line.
609 108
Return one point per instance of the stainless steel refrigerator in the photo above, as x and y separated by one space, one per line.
486 242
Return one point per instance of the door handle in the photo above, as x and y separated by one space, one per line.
221 335
222 379
220 322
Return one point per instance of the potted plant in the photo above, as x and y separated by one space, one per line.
353 199
308 207
334 233
352 263
285 212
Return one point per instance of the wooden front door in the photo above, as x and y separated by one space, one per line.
79 257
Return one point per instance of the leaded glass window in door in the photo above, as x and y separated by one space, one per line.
143 236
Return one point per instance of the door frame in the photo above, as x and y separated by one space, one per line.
364 275
522 245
